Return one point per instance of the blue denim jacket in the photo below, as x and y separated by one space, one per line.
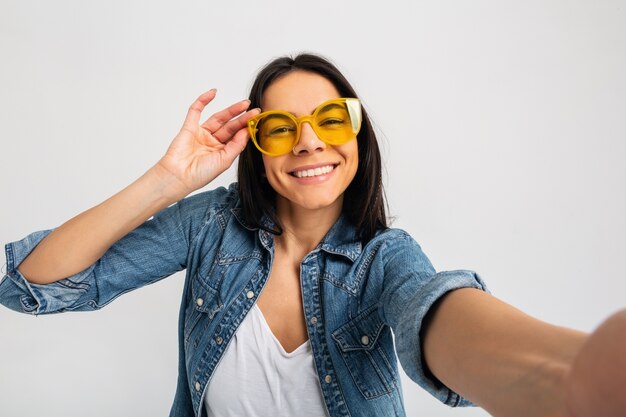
354 297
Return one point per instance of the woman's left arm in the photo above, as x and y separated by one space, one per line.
508 362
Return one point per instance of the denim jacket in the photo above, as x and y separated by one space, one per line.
354 296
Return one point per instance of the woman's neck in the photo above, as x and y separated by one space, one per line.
303 228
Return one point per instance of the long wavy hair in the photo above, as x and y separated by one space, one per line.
364 201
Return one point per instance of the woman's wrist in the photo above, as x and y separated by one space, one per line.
170 188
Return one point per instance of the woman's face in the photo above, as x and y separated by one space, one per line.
334 167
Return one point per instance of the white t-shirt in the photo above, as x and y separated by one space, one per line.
256 377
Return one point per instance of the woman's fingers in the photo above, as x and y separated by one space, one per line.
216 121
195 110
237 144
230 128
228 125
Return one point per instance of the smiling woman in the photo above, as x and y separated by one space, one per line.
364 200
298 297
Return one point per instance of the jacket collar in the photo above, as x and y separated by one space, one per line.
341 239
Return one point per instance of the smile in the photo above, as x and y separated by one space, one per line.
313 172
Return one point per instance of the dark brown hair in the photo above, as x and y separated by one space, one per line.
363 202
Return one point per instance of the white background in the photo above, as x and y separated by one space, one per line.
502 124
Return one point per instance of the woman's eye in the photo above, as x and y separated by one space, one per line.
331 122
283 130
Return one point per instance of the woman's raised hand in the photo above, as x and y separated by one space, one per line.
201 152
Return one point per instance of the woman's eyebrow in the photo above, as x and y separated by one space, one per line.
331 106
326 107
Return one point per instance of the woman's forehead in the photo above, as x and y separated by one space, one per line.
298 92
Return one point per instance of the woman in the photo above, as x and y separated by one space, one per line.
294 281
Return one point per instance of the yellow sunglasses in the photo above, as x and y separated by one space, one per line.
335 122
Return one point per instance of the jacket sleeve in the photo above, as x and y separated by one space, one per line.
154 250
411 287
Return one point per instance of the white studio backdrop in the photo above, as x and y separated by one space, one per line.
502 125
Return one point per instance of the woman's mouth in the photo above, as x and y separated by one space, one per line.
313 172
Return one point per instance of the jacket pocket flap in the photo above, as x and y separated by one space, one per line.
361 332
205 298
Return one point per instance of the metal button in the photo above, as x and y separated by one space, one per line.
219 340
250 294
328 378
313 320
199 301
365 340
198 386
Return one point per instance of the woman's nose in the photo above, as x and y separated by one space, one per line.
308 142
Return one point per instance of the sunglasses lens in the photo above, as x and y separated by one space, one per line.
276 134
338 122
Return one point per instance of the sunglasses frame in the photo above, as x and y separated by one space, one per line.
354 111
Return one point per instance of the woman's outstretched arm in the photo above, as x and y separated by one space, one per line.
508 362
198 154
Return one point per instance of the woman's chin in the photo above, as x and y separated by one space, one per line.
313 202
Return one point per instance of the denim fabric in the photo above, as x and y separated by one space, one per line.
354 297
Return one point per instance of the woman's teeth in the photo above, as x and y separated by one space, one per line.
314 172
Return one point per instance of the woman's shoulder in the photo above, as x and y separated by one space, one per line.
213 200
389 241
393 235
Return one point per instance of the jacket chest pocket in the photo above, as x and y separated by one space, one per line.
204 304
367 350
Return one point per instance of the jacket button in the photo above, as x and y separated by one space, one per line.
219 340
198 386
365 340
328 378
313 320
199 301
250 294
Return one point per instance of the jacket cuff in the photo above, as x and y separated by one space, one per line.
412 359
16 292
